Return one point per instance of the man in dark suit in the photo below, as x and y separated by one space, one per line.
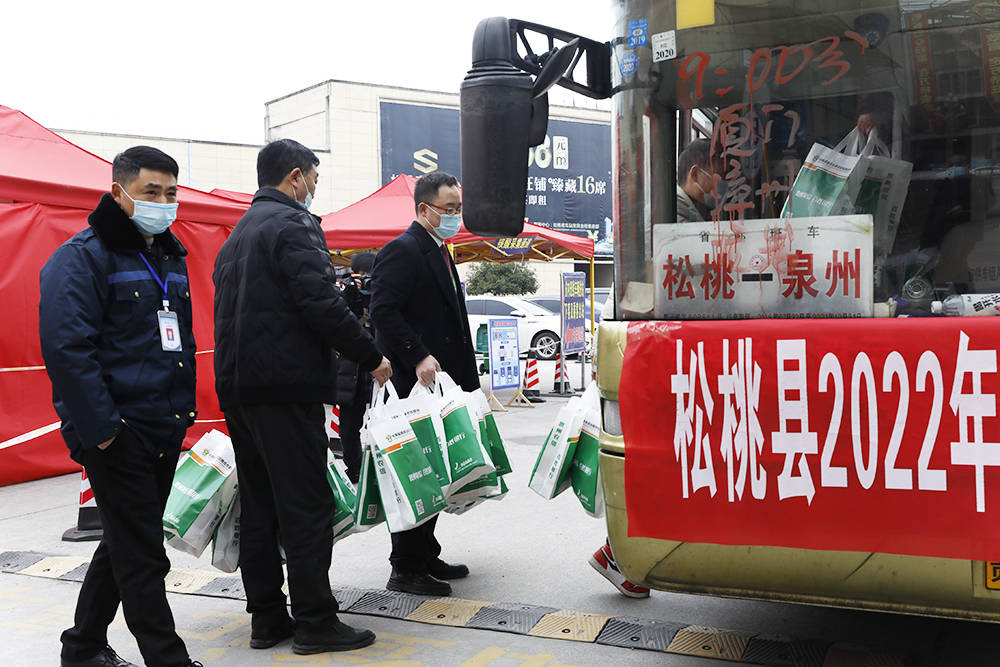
422 327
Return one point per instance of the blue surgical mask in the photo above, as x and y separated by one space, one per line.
309 198
152 218
450 224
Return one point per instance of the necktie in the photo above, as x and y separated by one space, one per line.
447 264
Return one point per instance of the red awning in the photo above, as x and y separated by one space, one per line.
37 165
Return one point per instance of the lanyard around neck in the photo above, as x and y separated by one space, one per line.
163 285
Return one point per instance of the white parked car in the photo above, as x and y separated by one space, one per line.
536 327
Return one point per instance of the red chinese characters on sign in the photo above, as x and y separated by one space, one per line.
800 278
677 277
855 436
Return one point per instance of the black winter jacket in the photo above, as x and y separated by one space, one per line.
417 311
278 313
353 386
100 336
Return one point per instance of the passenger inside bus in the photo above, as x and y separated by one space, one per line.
694 182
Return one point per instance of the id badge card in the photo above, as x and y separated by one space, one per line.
170 331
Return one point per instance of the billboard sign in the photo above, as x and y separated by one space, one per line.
569 174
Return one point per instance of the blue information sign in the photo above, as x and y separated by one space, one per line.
573 313
505 364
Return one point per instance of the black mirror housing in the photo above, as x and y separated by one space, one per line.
497 110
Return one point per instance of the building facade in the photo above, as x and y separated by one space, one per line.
344 124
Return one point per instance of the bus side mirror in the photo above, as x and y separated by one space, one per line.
504 113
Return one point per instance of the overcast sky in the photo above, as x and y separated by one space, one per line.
203 70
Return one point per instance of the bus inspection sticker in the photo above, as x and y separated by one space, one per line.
637 33
664 45
629 64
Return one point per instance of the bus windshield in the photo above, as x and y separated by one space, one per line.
805 158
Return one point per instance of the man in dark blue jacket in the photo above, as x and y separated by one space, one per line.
116 336
422 326
278 319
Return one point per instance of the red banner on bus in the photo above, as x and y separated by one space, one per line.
842 435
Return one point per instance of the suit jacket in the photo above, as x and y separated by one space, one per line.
417 311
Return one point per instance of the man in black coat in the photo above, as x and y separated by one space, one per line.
278 319
354 388
116 335
422 326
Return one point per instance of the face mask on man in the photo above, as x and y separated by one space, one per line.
450 224
309 198
150 217
708 198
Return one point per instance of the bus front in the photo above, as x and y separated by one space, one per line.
800 385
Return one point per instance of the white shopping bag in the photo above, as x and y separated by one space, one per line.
550 476
226 542
203 489
407 484
828 181
881 193
421 410
468 456
585 471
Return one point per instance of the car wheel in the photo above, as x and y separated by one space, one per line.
546 345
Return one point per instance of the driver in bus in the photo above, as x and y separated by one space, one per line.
694 182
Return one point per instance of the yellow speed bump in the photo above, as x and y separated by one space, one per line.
709 643
447 611
568 624
54 567
188 581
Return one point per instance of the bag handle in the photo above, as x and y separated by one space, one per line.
443 381
875 146
851 144
433 390
855 144
381 396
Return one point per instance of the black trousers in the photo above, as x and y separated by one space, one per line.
281 463
131 485
350 436
414 550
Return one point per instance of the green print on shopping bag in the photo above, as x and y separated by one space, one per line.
423 428
465 451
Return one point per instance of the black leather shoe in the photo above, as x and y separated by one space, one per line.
418 584
106 658
341 637
442 570
271 636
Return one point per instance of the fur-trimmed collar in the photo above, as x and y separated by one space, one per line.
118 232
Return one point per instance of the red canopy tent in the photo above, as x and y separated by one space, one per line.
47 187
387 212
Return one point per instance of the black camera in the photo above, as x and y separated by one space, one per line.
361 283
